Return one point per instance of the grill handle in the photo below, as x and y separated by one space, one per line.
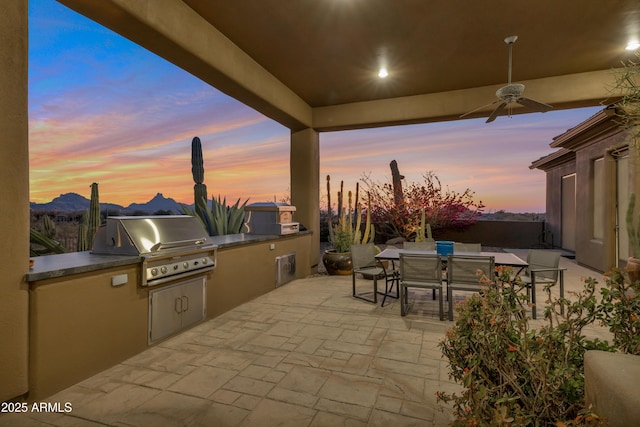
177 244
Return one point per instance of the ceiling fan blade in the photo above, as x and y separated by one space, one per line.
495 113
480 108
534 105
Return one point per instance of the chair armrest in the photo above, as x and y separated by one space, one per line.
537 270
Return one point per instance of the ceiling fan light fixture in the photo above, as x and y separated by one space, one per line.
510 93
633 45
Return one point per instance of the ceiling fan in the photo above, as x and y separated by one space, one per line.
511 93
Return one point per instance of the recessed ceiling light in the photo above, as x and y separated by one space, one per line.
633 45
383 73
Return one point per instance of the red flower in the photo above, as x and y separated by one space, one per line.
512 348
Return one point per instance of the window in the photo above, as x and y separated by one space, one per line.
598 198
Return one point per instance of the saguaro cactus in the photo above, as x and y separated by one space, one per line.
94 213
82 244
91 222
49 227
398 195
197 170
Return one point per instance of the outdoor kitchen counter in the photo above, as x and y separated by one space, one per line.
51 266
88 312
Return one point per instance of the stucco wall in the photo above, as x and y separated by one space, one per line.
14 199
554 202
505 234
248 271
596 253
81 325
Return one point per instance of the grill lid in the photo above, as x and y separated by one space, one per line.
142 235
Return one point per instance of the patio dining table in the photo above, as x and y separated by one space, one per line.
500 258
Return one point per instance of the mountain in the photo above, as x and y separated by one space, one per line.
158 203
73 202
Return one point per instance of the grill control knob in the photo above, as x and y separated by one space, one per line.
185 265
204 260
175 267
154 271
163 269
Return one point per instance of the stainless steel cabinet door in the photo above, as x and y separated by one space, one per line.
194 297
175 307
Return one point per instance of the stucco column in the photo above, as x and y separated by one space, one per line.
14 199
305 185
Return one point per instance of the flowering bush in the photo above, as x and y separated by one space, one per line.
515 375
619 309
443 208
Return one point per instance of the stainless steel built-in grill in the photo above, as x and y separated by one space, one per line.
172 246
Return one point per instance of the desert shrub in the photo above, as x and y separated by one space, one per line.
515 375
619 309
444 208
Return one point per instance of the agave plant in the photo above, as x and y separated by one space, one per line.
219 218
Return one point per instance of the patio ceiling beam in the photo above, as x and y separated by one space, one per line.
178 34
174 31
562 92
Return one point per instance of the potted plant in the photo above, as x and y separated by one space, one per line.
344 233
633 231
337 260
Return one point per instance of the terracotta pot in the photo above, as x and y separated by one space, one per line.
633 269
337 263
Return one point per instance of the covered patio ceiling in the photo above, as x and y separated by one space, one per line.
314 63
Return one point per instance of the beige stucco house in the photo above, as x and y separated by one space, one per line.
589 179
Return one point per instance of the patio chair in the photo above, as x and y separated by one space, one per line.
429 245
463 274
466 247
543 269
364 262
420 271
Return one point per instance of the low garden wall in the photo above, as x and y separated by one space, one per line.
504 234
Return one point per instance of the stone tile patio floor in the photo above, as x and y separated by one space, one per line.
306 354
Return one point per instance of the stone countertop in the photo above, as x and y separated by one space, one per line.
241 239
52 266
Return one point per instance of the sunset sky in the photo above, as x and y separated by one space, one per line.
102 109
